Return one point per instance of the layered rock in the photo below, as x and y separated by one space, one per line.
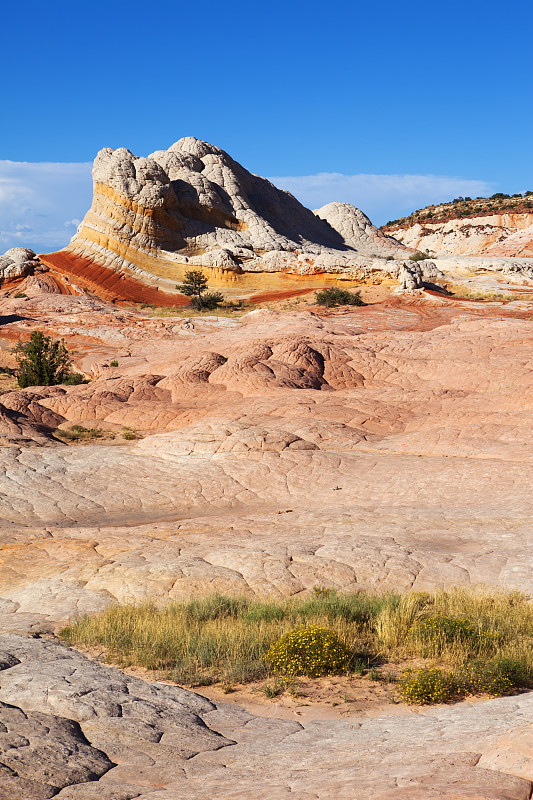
493 235
489 227
17 263
193 205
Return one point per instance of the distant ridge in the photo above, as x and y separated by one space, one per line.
501 225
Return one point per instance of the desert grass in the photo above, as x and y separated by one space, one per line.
467 294
78 434
230 309
225 639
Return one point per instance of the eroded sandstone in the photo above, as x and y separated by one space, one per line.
383 447
164 742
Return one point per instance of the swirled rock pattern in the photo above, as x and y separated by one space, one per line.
194 207
386 446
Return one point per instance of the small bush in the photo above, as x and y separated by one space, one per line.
427 685
420 256
334 296
42 361
20 294
207 302
489 296
113 363
272 690
232 305
310 651
75 379
78 433
129 434
496 677
485 678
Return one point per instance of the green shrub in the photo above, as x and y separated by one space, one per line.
20 294
195 286
78 433
518 670
335 296
42 361
419 256
427 685
75 379
207 302
310 651
496 677
488 678
272 690
113 363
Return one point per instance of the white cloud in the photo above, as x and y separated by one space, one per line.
41 204
381 197
37 198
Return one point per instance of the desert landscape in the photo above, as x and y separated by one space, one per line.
271 448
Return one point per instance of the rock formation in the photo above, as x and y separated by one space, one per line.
381 447
17 263
194 206
416 408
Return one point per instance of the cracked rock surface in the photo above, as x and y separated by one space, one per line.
381 447
159 742
388 447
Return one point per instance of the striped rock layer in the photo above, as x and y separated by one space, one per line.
192 206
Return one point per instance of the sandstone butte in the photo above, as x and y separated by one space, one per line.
388 446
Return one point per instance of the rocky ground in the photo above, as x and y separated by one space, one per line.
75 729
379 447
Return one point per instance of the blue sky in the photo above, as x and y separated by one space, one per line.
386 105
